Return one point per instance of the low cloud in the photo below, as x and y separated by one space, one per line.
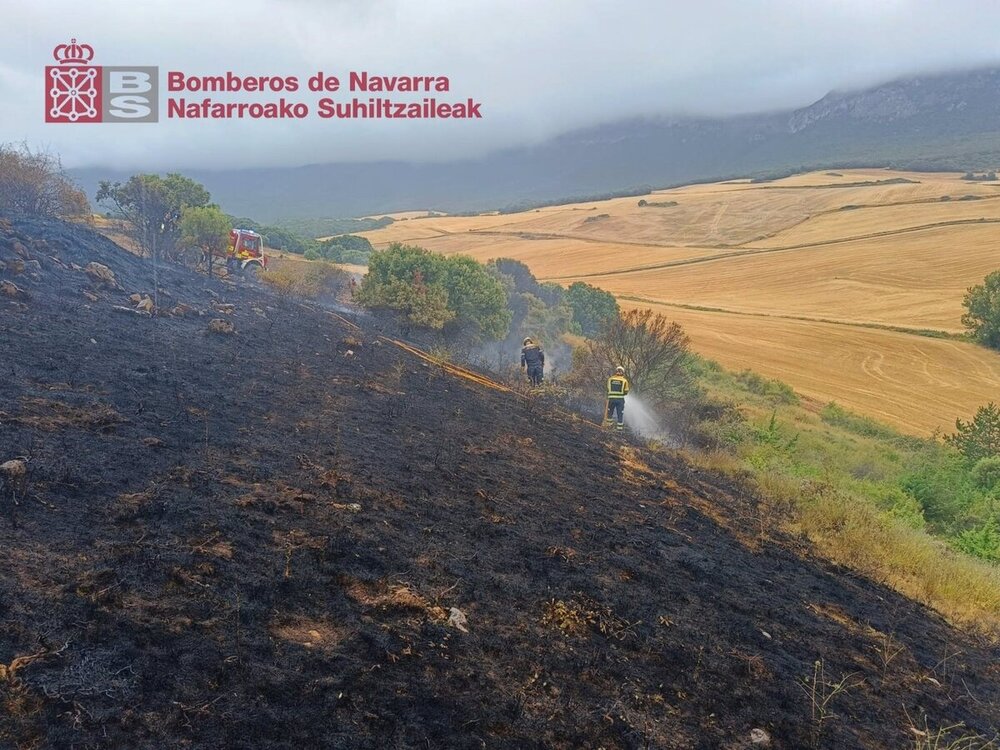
540 69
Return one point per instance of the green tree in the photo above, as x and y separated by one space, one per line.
982 317
980 437
422 285
593 308
206 228
152 206
347 248
414 300
477 298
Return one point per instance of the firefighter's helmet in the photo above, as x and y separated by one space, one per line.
619 370
526 341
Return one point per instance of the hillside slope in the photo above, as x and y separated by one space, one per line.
256 540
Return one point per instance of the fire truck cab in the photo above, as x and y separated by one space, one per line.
245 252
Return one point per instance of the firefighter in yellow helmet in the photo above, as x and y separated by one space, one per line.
617 391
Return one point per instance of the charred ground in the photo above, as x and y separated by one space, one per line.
254 540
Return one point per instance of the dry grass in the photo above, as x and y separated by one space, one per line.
963 589
309 279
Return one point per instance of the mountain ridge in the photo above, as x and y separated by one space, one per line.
946 121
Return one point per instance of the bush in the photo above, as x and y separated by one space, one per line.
939 480
311 254
982 316
982 541
774 390
986 472
652 349
310 280
347 248
435 291
980 437
35 184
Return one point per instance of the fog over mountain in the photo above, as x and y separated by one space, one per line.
945 121
541 70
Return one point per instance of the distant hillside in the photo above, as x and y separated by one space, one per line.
949 121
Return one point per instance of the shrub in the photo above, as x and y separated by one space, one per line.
979 437
347 248
34 183
310 280
775 390
435 291
982 541
986 472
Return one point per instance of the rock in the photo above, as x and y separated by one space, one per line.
32 266
180 310
458 620
135 299
224 308
15 267
15 469
20 249
153 442
12 290
218 325
90 295
102 274
146 305
759 738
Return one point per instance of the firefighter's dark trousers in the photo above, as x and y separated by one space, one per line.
535 374
616 406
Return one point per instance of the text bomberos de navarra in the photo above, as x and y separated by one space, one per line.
381 103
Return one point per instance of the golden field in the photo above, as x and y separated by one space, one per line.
822 279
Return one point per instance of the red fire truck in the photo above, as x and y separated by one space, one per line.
245 252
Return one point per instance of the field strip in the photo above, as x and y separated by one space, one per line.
858 207
932 333
789 248
917 384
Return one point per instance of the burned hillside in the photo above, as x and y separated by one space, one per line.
248 523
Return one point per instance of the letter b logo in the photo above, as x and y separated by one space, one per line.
130 94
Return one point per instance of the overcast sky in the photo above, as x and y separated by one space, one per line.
540 67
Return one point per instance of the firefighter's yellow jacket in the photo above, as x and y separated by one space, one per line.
617 386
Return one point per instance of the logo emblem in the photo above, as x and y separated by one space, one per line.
77 91
73 87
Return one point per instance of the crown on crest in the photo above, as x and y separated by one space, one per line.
73 53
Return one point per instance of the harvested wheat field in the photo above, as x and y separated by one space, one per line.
798 278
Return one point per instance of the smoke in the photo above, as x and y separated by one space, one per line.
644 421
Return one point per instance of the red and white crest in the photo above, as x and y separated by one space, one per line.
73 87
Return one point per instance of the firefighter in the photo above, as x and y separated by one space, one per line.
533 359
617 391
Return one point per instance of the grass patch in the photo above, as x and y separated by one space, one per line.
909 512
